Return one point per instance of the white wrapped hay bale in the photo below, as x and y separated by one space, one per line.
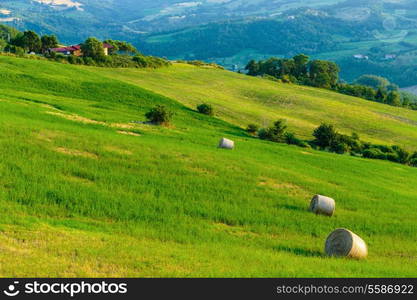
226 144
322 205
344 243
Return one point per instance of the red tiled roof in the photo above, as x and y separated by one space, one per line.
108 46
66 49
77 47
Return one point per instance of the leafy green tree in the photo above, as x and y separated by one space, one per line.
325 135
380 96
324 74
394 98
402 155
252 128
121 46
291 139
301 65
29 41
48 42
286 67
159 115
253 68
373 81
275 133
93 48
205 109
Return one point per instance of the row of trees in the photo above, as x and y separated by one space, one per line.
121 54
379 89
30 41
299 69
325 74
393 97
327 138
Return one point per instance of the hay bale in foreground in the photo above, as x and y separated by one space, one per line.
322 205
226 144
344 243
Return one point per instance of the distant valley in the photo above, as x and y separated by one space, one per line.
373 36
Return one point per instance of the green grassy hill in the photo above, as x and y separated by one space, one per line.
241 100
84 191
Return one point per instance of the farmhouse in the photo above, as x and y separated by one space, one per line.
76 50
361 56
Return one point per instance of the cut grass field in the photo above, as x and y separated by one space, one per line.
84 191
240 100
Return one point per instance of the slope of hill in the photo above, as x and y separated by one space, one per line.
241 99
86 192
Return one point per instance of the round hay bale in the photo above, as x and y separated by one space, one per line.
226 144
344 243
322 205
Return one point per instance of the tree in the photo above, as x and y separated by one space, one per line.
205 109
252 128
48 42
394 98
93 48
301 68
122 47
380 96
373 81
29 41
324 74
253 68
275 133
325 135
159 115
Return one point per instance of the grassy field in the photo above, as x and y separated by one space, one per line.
240 100
86 192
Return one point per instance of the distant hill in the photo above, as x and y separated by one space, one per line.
361 36
72 20
233 32
411 89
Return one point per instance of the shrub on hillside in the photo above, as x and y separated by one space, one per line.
205 109
291 139
374 153
150 61
402 155
342 143
200 63
159 115
339 145
252 128
19 51
275 133
325 135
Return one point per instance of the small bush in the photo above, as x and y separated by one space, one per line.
205 109
325 135
252 128
374 153
339 146
275 133
402 155
291 139
392 157
159 115
413 162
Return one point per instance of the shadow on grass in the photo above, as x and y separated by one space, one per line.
300 251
